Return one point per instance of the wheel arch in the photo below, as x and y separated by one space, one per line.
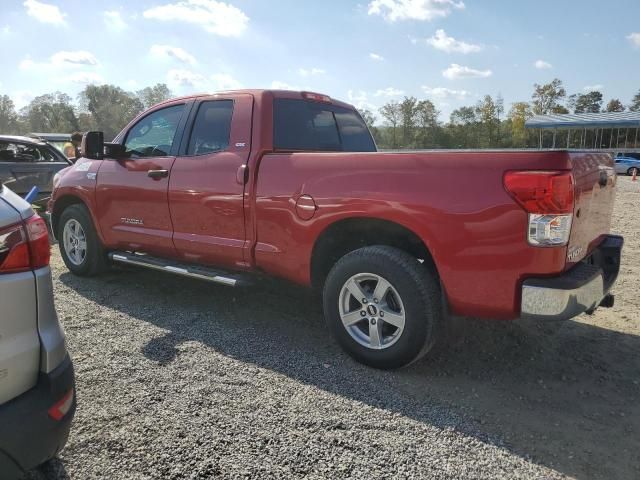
61 204
348 234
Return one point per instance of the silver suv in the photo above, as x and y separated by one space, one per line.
37 388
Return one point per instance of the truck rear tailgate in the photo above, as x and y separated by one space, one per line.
595 181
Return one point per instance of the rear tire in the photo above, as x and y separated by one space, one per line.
389 330
630 171
80 247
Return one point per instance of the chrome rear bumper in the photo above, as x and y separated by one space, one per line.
581 289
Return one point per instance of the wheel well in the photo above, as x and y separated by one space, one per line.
61 204
348 235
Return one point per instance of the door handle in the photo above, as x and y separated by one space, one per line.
158 174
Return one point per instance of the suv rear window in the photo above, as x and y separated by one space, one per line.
310 126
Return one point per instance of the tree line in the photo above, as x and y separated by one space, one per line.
99 107
413 123
410 123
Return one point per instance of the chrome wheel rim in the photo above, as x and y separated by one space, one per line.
74 241
371 311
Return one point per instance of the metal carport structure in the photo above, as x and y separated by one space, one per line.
608 131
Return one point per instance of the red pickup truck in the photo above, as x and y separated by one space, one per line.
289 184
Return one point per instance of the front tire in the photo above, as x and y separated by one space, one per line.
630 171
383 306
80 247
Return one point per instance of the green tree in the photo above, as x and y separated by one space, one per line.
463 127
519 113
590 102
427 123
487 115
614 105
110 107
51 112
392 114
151 96
548 98
8 115
635 103
408 120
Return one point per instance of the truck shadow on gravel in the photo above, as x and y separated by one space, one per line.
563 395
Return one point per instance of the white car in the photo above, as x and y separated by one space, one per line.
37 386
625 163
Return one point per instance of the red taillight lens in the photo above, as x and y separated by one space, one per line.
24 246
316 97
38 242
544 192
62 407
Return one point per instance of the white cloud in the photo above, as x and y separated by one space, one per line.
62 59
591 88
21 98
376 57
224 81
456 72
441 41
393 10
6 30
185 78
309 72
215 17
45 12
444 93
85 78
113 21
542 65
177 53
360 100
279 85
634 38
78 57
388 92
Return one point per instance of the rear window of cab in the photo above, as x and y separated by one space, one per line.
302 125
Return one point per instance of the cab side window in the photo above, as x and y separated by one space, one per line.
211 128
24 153
153 135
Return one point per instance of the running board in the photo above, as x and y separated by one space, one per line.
184 269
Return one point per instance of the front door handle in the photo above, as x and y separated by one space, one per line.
158 174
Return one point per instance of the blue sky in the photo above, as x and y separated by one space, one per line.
366 52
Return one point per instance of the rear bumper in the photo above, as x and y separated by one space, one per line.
28 435
579 290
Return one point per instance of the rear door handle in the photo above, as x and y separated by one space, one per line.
158 174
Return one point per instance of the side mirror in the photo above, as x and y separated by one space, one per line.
93 145
114 150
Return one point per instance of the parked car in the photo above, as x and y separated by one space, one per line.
27 162
289 184
37 396
62 141
625 163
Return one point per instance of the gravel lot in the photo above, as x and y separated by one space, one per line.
182 379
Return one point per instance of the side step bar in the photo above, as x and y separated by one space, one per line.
184 269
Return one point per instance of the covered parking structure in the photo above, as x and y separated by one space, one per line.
607 131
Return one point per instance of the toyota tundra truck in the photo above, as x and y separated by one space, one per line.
230 186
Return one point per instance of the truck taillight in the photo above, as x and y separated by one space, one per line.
24 246
548 198
316 97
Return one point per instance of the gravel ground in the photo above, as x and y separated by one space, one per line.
182 379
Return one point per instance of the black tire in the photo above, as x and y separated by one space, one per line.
95 260
417 285
630 171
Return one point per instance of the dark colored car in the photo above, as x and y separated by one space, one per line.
27 162
58 140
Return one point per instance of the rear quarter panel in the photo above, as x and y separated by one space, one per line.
454 201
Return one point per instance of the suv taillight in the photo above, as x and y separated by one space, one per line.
548 198
24 246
